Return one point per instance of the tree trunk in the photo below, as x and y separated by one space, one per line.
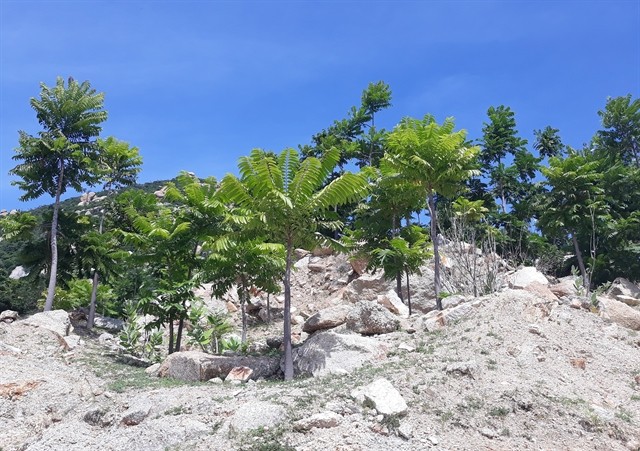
92 304
288 357
583 269
268 309
399 286
408 293
94 288
180 327
171 334
242 294
436 251
53 271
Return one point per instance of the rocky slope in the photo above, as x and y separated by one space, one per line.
527 368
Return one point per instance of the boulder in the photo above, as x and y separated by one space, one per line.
322 420
331 353
317 267
526 276
300 253
110 324
322 252
439 319
541 290
327 319
566 286
359 265
391 301
240 374
369 318
453 301
367 287
619 313
200 366
383 396
256 415
54 320
622 288
18 273
8 316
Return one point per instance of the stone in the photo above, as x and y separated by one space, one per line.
453 301
367 287
619 313
300 253
322 252
406 347
471 369
256 415
383 396
8 316
327 318
630 301
541 290
199 366
368 318
405 430
152 371
359 265
239 373
99 417
578 363
110 324
106 339
622 287
328 352
435 320
322 420
525 276
54 320
566 286
391 301
18 273
135 415
488 432
316 267
296 320
231 307
72 341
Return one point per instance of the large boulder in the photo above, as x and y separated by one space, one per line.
370 318
331 353
54 320
200 366
619 313
256 415
107 323
526 276
327 318
392 302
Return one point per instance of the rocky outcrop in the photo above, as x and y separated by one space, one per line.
54 320
369 318
200 366
624 291
332 353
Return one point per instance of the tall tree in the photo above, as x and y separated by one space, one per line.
61 156
291 200
621 134
438 160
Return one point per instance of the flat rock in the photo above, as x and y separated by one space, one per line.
619 313
383 396
327 318
54 320
109 324
239 373
392 302
322 420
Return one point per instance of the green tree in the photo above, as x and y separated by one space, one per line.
437 160
548 142
62 154
290 199
621 134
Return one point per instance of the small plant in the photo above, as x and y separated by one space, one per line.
208 329
498 411
505 432
624 415
133 340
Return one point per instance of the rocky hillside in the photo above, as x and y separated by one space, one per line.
533 366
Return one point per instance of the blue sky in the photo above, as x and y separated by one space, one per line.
197 84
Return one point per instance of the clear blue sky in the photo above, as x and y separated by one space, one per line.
196 84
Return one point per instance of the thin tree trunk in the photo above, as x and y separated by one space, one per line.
408 293
475 264
180 327
399 285
53 271
94 288
243 308
583 269
268 309
288 357
171 334
436 250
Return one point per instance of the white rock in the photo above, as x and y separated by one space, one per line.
384 397
55 320
525 276
18 273
391 301
255 415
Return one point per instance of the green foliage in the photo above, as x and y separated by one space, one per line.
621 135
77 293
208 329
136 340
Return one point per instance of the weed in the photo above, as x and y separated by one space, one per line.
492 364
499 411
505 432
178 410
471 403
635 397
444 416
624 415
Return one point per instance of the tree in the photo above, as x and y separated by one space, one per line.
435 158
621 136
61 156
291 201
548 142
118 167
403 255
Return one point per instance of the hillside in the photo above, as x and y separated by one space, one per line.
517 369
